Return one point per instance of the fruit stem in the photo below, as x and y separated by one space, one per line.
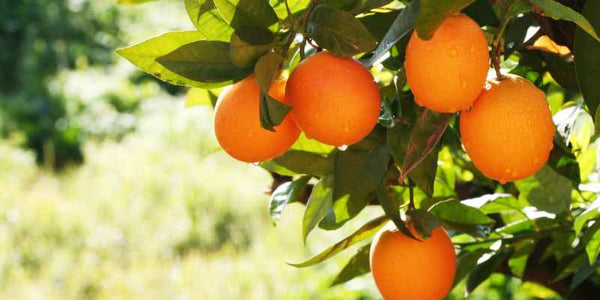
411 195
497 48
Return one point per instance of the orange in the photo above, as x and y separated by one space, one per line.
509 131
406 269
447 72
237 123
335 99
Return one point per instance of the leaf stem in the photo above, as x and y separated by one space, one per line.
411 195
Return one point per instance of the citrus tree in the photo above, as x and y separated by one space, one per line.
470 123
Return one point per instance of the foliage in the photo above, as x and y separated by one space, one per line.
413 162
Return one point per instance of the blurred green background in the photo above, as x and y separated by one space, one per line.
111 189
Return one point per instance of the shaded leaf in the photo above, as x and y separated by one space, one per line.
466 262
484 270
203 61
557 11
318 204
145 54
391 207
366 231
339 31
208 22
358 265
286 193
424 173
358 172
518 260
403 24
433 12
546 190
245 54
244 13
424 137
295 162
587 60
423 221
272 112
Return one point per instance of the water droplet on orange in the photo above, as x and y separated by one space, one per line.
343 147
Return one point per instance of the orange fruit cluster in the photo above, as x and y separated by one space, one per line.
334 100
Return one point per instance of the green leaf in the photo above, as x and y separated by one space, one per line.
516 33
295 162
568 265
546 190
318 204
358 265
403 24
484 270
466 262
424 222
196 97
455 212
557 11
272 112
587 60
432 14
482 12
592 248
145 54
339 31
205 17
391 207
244 13
424 137
564 162
378 24
424 173
585 270
203 61
518 260
267 68
286 193
366 231
296 6
562 70
358 172
245 54
592 212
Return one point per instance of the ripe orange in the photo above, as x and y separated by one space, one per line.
237 123
509 131
335 100
412 270
447 72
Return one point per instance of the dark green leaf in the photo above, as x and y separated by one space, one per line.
402 25
557 11
243 13
568 265
587 60
339 31
358 172
272 112
484 270
564 162
424 173
546 190
391 207
585 270
378 24
244 54
423 221
318 204
207 20
285 194
203 61
433 12
466 262
145 55
366 231
483 13
296 162
516 33
562 70
267 68
455 212
518 260
358 265
424 137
